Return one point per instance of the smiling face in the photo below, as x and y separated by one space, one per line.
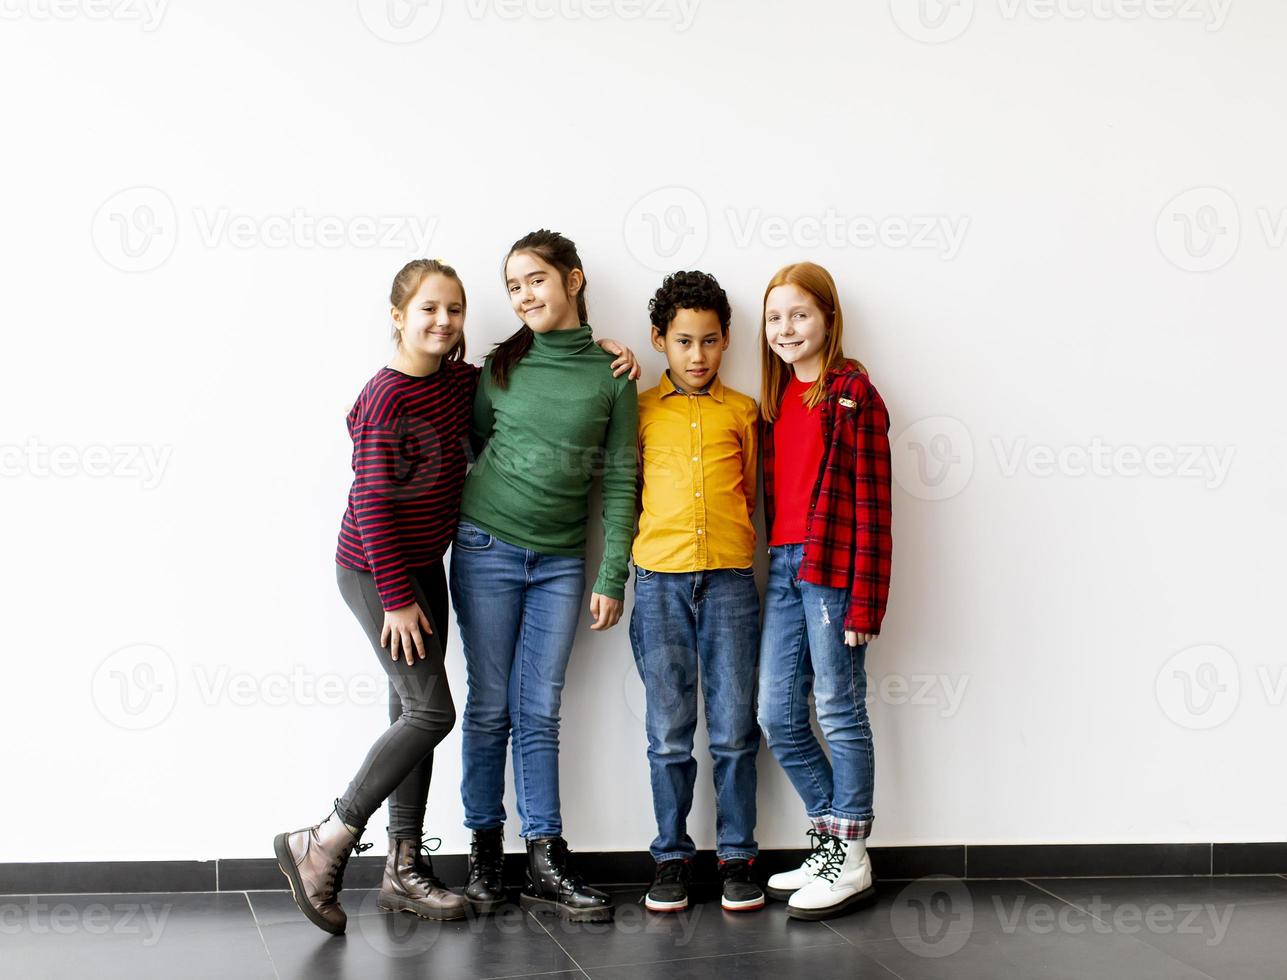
796 329
433 320
694 345
539 295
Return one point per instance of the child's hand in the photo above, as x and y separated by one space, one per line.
606 611
853 639
403 626
625 359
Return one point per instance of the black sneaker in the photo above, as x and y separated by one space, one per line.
669 891
741 893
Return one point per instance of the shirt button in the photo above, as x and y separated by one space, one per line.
699 530
694 425
697 494
694 459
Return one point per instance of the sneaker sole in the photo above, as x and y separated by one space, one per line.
850 904
750 905
532 904
286 865
652 906
779 894
396 904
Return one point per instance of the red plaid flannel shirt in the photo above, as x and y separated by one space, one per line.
847 538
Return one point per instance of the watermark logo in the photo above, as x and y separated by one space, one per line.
400 21
933 459
933 916
940 233
1200 229
668 229
145 463
37 916
136 229
147 13
1199 687
1210 464
932 21
136 687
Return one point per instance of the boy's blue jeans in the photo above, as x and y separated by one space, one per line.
803 649
518 613
688 627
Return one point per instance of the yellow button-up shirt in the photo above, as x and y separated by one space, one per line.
698 466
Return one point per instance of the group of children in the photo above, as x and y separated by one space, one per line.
550 413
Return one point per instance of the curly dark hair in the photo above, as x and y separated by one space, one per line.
688 291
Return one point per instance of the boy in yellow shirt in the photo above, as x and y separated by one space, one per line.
696 612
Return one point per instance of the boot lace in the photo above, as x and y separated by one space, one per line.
568 879
423 853
834 858
337 882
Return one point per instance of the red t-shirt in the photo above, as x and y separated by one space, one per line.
798 451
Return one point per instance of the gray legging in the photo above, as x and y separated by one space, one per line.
400 763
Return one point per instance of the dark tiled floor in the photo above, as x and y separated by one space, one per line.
1164 928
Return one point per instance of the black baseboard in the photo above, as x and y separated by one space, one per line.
624 868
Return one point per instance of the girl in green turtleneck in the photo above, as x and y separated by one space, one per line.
549 419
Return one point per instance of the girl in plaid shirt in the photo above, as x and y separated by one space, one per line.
825 455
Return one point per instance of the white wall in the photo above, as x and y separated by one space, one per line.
1071 312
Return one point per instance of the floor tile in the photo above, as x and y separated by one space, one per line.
948 928
132 937
704 929
381 944
815 963
1229 928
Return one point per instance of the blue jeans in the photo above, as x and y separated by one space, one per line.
682 621
803 649
518 613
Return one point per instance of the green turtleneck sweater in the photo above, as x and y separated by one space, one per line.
562 420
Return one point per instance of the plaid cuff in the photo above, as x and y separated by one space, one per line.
847 829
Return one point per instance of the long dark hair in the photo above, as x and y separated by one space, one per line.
558 251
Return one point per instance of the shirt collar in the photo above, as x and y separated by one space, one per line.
715 389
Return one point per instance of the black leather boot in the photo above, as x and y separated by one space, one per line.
553 887
486 889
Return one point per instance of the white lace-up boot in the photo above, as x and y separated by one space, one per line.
780 887
842 882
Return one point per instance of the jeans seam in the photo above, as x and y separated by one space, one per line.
795 687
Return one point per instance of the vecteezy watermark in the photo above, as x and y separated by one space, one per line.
1199 687
136 687
39 916
933 459
299 686
137 229
1041 917
1201 229
939 21
408 21
122 461
831 229
1210 464
667 229
933 916
400 21
147 13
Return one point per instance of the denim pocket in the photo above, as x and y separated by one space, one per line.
471 537
743 572
643 574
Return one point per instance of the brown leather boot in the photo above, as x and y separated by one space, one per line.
404 889
313 861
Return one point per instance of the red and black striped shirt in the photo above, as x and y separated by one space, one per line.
410 437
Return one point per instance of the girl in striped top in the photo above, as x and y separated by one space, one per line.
410 431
